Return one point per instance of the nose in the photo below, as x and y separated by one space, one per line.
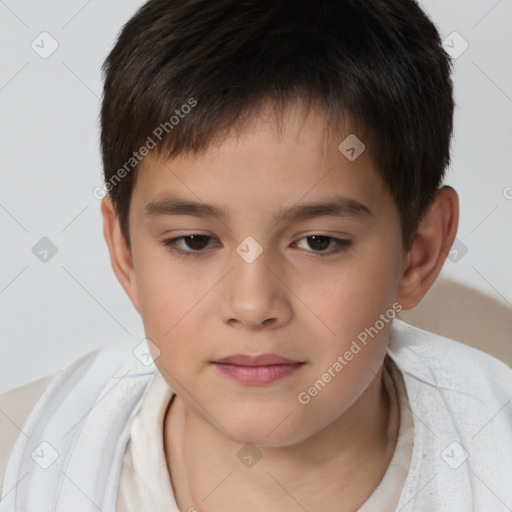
254 295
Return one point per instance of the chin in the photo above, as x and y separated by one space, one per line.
272 433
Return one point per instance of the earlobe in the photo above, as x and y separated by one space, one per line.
430 247
120 255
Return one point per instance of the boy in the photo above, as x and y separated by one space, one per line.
273 177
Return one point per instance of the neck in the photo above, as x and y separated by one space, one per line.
336 469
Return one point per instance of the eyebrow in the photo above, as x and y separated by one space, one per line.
338 206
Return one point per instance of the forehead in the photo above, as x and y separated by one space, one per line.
268 160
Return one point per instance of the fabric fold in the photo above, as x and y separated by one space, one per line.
69 454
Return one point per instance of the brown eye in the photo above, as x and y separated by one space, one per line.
196 242
319 242
320 245
188 245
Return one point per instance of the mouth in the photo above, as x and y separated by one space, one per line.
257 370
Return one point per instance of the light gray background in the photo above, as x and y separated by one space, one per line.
51 313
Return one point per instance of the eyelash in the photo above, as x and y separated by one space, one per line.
170 243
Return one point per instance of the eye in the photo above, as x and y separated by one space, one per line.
192 245
319 244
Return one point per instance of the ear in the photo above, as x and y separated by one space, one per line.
120 254
430 247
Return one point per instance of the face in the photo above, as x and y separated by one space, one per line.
266 272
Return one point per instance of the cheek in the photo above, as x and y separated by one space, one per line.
167 291
352 296
358 308
347 362
169 314
374 279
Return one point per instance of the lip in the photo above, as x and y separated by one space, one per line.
257 370
255 360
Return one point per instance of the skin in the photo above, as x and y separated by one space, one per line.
331 453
